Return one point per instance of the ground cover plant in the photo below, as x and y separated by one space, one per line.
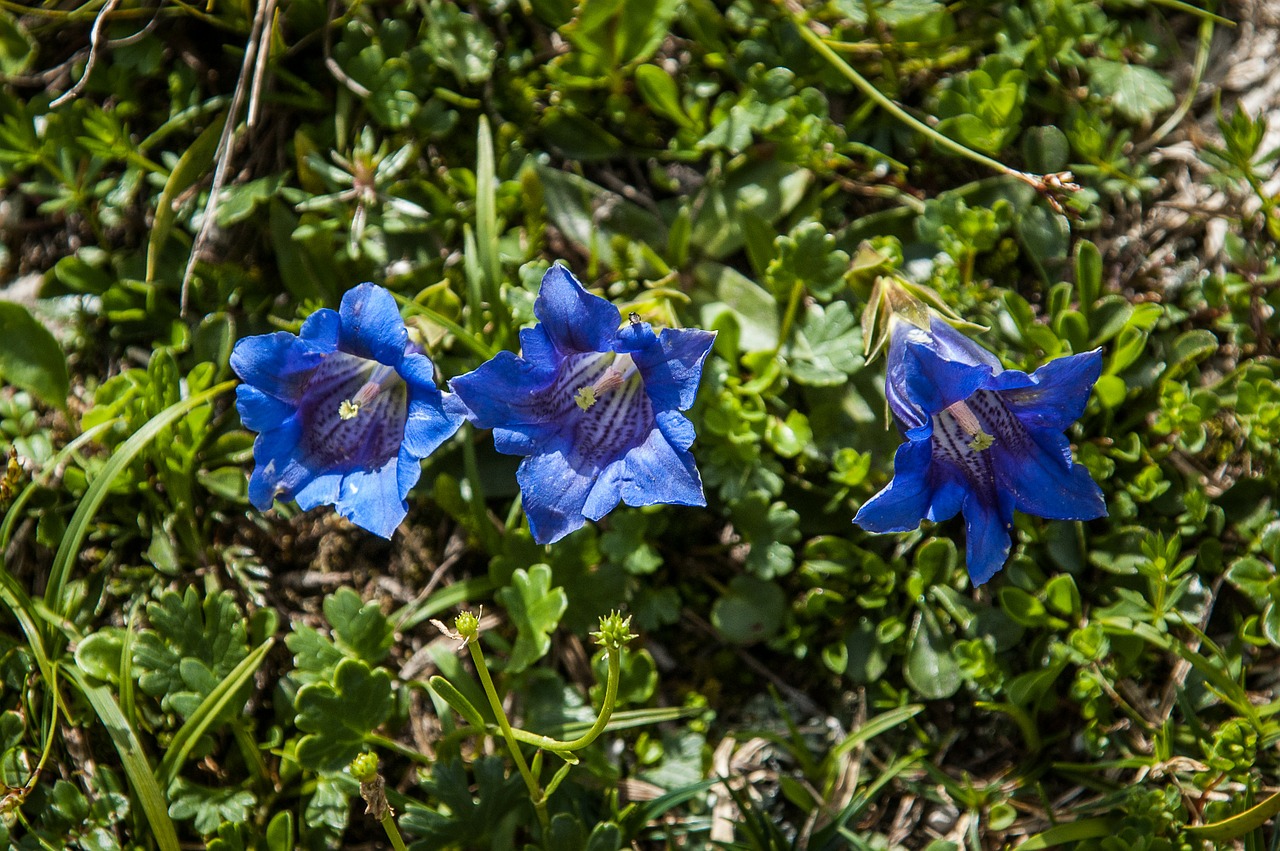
443 425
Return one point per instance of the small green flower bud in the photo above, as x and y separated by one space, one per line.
615 632
468 625
364 767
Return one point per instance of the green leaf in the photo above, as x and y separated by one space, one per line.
464 820
459 42
338 715
17 47
659 91
753 309
769 529
69 547
1240 824
210 807
1187 350
191 166
30 358
224 695
827 348
360 628
535 608
191 646
627 543
616 32
750 611
1088 274
807 257
145 788
1136 92
930 669
1076 831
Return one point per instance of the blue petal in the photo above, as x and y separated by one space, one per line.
278 467
905 501
574 319
322 329
672 364
948 494
1055 395
261 412
430 422
322 490
494 391
950 344
553 493
987 525
920 382
278 364
657 471
408 471
1043 481
371 325
371 499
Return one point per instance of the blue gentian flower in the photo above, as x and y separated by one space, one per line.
981 440
344 412
594 406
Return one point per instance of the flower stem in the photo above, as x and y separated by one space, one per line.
513 745
602 720
393 833
887 104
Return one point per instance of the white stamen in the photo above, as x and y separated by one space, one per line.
968 420
622 368
348 409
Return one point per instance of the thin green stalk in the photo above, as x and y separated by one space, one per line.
602 720
393 833
789 317
887 104
397 748
513 745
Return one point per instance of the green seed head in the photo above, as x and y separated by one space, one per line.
615 632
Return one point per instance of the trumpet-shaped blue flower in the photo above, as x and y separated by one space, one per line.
594 406
344 412
981 440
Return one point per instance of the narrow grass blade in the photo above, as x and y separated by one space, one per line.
1240 824
101 486
146 789
487 211
189 168
1093 828
456 594
208 710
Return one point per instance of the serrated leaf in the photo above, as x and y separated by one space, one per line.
535 608
338 715
769 529
30 357
827 348
209 807
360 628
464 820
1138 93
191 647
